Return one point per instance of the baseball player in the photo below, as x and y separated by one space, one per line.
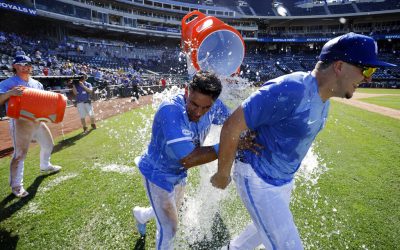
82 91
23 131
179 129
287 113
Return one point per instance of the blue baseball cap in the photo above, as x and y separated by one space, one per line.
20 53
20 59
353 48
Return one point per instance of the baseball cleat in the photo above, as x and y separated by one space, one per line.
50 169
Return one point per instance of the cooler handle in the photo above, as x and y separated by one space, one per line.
193 13
42 119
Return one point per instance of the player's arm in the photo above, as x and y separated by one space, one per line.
86 88
74 89
206 154
189 155
17 91
199 156
229 140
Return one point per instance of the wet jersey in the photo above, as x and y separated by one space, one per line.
286 113
174 137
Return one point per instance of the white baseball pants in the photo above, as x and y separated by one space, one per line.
164 207
22 132
268 205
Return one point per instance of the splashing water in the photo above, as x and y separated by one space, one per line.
202 203
316 216
201 219
204 220
57 181
210 217
122 169
206 206
62 131
310 169
166 95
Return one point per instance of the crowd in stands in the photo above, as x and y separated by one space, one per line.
119 63
73 58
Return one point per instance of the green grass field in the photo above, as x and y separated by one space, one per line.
353 205
389 101
378 91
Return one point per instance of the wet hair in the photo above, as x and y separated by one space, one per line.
206 83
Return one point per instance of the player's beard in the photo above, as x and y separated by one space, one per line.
348 95
193 118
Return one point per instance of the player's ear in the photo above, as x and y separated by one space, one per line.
337 67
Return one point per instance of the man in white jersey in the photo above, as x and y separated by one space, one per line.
23 131
287 113
179 129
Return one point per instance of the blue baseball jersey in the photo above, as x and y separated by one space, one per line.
286 113
174 137
15 81
82 95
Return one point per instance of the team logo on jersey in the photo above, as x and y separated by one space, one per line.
186 132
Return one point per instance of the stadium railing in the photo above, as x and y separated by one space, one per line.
110 92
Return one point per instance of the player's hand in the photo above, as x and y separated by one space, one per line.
220 181
17 91
247 142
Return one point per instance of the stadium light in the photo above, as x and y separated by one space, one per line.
280 8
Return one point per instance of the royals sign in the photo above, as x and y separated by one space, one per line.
17 7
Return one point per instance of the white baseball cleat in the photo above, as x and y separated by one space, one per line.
19 192
50 169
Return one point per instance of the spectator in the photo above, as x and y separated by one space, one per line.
45 71
135 89
163 83
38 55
98 75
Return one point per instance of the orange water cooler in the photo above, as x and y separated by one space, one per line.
37 105
211 44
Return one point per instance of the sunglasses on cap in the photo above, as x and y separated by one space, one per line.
366 71
24 64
